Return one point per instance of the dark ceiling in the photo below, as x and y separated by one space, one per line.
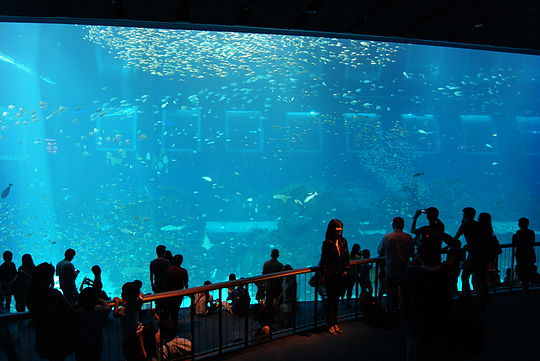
501 23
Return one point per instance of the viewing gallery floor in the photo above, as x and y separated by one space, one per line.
511 322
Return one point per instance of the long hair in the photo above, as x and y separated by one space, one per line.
355 250
485 221
28 262
331 232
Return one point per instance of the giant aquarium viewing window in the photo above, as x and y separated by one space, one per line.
224 145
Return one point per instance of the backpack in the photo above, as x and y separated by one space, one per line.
240 301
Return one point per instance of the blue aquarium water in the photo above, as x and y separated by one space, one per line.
224 145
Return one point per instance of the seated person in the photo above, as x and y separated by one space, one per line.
240 301
226 305
174 347
203 303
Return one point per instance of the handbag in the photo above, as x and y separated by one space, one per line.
315 280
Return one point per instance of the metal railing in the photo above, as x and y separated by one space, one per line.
215 333
222 331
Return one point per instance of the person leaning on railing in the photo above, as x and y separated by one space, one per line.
127 309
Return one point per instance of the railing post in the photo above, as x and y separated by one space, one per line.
192 326
497 277
512 269
377 280
356 291
316 300
246 320
220 326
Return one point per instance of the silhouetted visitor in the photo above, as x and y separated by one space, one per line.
138 285
52 316
352 277
432 215
523 241
203 302
397 248
492 248
173 347
364 275
176 279
129 321
90 319
232 295
288 298
8 271
334 267
431 309
232 277
22 282
477 254
158 269
168 256
272 287
433 234
96 283
455 257
151 341
240 301
67 274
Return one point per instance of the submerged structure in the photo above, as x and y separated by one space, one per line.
224 145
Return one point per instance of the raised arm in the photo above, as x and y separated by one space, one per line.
459 232
152 277
415 218
452 242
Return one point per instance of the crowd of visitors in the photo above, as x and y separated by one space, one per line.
418 283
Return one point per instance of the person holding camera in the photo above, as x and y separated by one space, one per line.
66 272
96 283
432 236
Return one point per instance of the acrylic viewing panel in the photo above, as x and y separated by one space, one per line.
181 130
244 131
305 133
479 134
360 130
13 145
529 130
116 130
422 131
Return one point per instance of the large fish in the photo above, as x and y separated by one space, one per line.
310 196
282 197
5 193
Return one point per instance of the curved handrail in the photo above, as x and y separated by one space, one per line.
221 285
214 286
243 281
